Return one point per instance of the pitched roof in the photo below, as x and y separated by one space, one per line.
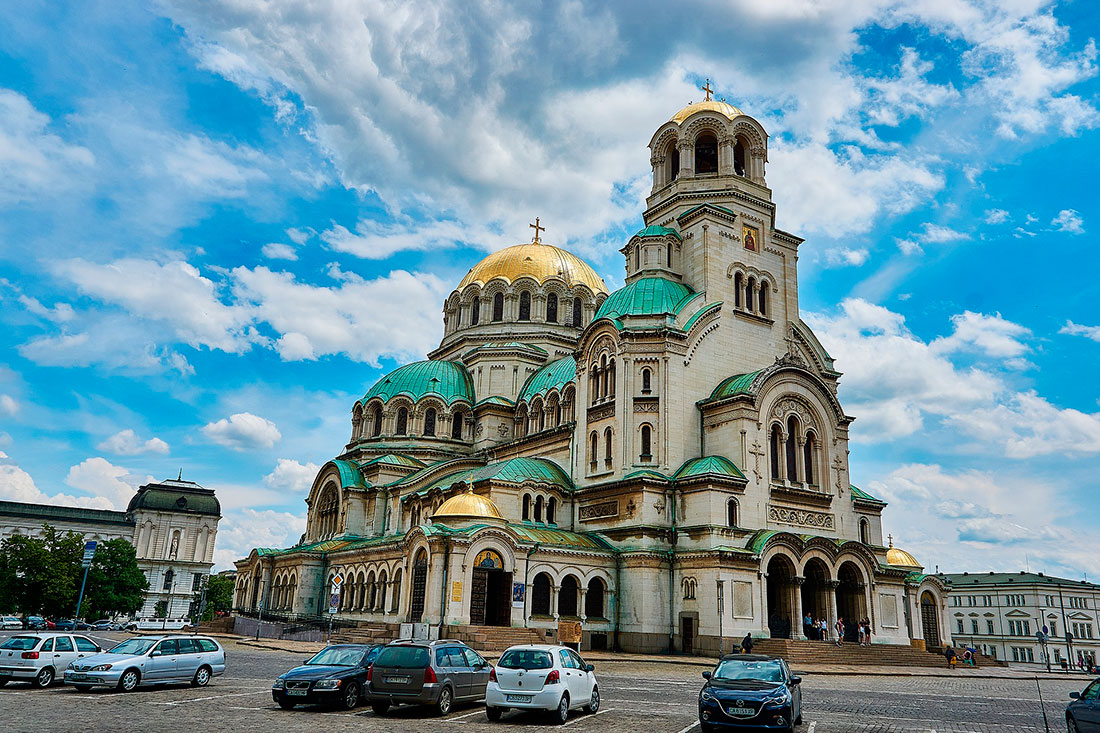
992 578
737 384
395 459
512 471
656 230
554 375
859 494
708 465
447 380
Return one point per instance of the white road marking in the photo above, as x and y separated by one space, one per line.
695 725
211 697
813 727
467 715
601 711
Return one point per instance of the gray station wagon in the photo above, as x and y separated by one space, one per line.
420 672
150 660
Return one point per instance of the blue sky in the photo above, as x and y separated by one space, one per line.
221 222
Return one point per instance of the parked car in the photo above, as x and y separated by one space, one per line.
68 624
150 660
41 658
336 675
11 622
149 623
106 624
1083 714
420 672
541 677
35 623
750 691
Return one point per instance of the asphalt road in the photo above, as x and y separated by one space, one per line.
636 697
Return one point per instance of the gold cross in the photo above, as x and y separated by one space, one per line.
706 88
537 229
891 538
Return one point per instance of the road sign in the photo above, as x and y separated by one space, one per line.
333 602
337 580
89 553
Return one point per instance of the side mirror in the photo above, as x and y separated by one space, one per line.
156 653
706 675
796 680
589 668
1075 696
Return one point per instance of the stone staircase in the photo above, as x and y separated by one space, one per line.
851 654
368 632
495 638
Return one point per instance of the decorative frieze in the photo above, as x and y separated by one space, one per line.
601 412
599 510
801 517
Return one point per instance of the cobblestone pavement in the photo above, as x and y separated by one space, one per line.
650 697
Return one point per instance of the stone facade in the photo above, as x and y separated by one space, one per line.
667 463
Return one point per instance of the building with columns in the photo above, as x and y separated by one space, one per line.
662 463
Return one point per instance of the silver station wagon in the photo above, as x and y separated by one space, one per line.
150 660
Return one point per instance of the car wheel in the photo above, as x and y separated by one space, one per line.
561 714
351 696
493 714
202 677
380 708
798 720
706 728
286 704
593 705
44 678
128 682
446 698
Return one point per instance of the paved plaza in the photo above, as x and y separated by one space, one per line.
650 696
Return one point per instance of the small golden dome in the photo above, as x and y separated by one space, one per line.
901 558
711 105
468 505
539 261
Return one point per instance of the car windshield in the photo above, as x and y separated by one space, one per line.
133 646
335 656
20 643
526 659
736 669
403 656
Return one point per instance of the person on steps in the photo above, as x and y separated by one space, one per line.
839 630
746 644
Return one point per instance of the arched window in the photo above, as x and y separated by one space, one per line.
475 311
525 306
456 426
170 577
738 285
673 162
402 421
576 311
750 291
603 376
731 513
647 441
594 447
739 158
792 449
551 509
567 596
540 595
429 422
864 532
538 509
689 589
808 457
376 422
526 507
647 381
395 594
706 153
372 591
593 600
552 308
607 445
611 378
637 256
763 304
668 256
775 440
498 307
557 415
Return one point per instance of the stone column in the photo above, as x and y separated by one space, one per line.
581 593
756 164
725 155
800 458
797 632
782 456
657 164
554 601
830 603
432 594
687 157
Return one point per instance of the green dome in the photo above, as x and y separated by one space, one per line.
656 230
554 375
716 465
174 495
447 380
647 296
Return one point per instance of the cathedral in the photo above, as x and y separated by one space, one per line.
665 464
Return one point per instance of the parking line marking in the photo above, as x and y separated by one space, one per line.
466 715
601 711
696 724
813 727
212 697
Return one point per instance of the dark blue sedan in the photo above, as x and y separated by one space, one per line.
1083 714
750 691
334 676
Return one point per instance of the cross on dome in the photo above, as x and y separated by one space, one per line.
537 229
706 88
891 538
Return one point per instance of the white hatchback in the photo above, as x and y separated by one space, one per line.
41 658
541 677
11 622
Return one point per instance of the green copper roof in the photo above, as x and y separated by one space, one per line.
858 493
647 296
708 465
512 471
554 375
757 542
655 230
497 400
702 312
564 538
737 384
174 495
349 474
647 473
447 380
395 459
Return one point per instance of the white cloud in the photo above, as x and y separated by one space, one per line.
996 216
278 251
17 485
907 95
99 477
213 167
292 476
35 161
243 431
1075 329
1027 425
241 530
845 256
931 234
8 405
990 335
1070 221
127 443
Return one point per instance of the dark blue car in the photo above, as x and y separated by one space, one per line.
750 691
334 676
1083 714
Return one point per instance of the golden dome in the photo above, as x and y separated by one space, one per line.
539 261
901 558
468 505
711 105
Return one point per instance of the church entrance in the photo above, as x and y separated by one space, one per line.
851 602
780 597
490 591
815 596
930 621
419 587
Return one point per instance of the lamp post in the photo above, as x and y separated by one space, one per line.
168 603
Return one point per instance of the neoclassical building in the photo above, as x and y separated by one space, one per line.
660 463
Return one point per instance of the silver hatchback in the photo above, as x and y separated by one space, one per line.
150 660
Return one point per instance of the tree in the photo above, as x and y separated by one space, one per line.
160 610
41 574
219 596
116 586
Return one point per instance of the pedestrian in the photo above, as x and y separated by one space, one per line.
808 626
824 626
951 657
746 644
839 630
867 631
860 630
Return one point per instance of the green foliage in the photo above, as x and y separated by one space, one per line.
160 610
219 596
116 586
41 575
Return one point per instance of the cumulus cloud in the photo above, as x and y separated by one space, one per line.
996 216
990 335
292 476
18 485
1076 329
846 256
8 405
127 443
35 160
278 251
241 530
243 431
1069 221
101 478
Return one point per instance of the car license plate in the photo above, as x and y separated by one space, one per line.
518 698
397 680
297 693
740 711
78 676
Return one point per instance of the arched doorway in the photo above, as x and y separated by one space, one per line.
815 595
419 586
930 621
567 597
780 596
851 600
490 591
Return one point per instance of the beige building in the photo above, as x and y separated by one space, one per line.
663 464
